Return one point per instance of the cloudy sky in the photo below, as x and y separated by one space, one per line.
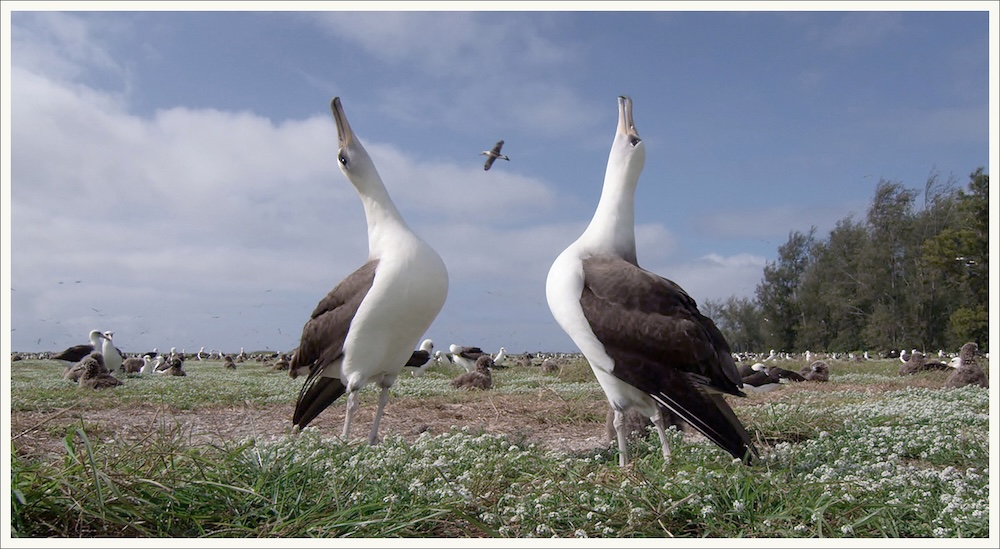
172 175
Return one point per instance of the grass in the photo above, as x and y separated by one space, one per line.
869 454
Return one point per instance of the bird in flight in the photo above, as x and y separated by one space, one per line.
493 154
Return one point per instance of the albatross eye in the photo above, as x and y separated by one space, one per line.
634 140
342 159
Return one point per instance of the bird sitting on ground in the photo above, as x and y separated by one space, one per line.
96 375
817 371
784 375
493 154
228 363
550 366
746 369
761 380
132 365
281 363
913 364
176 366
480 378
968 372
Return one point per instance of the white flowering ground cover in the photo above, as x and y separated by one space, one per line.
869 454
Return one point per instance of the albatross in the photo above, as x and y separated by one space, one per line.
421 359
366 328
493 154
77 353
643 335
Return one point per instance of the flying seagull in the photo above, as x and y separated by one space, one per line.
644 337
493 154
364 331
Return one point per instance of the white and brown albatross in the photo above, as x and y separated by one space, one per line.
76 353
644 338
493 154
366 328
421 359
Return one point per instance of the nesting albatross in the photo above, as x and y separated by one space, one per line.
366 328
647 343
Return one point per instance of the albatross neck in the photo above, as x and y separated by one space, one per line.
612 229
385 224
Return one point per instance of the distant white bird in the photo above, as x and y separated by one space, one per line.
161 365
366 328
465 356
493 154
113 356
501 356
421 359
147 365
644 337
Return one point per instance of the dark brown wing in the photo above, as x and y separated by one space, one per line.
418 359
631 308
665 347
75 353
471 353
323 336
322 342
496 148
489 162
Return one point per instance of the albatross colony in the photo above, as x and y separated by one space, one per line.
365 329
647 343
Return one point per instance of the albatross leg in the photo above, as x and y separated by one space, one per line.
352 405
622 438
662 431
383 399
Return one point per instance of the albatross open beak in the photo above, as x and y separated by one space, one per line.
344 133
626 124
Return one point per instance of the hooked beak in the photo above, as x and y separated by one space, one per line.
344 133
626 124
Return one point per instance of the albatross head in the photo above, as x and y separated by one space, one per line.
628 152
352 157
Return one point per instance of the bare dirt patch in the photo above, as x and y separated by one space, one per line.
554 424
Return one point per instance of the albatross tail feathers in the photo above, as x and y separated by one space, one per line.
316 394
718 422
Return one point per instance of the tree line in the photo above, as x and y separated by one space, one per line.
913 273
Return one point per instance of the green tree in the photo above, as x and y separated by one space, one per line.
738 318
959 253
777 294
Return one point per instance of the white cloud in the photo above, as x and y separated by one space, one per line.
190 225
715 276
61 45
452 43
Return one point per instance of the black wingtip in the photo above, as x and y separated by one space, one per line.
717 421
321 393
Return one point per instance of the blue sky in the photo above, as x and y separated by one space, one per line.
172 175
